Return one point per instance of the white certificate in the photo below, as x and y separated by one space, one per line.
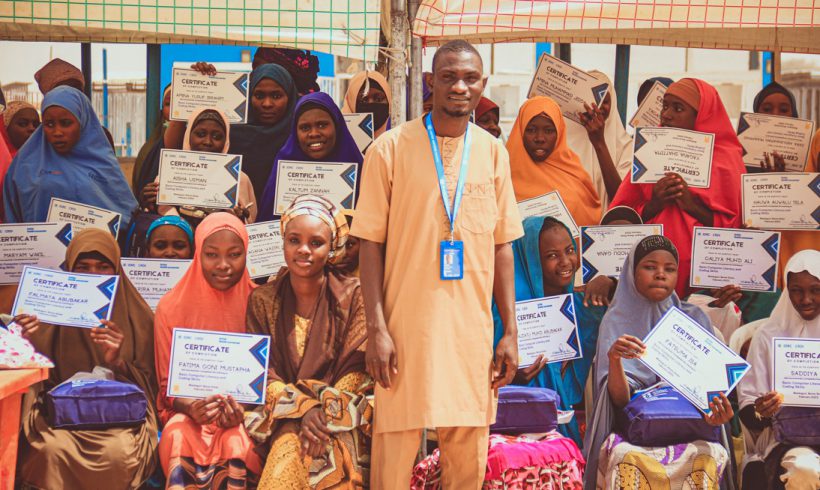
550 204
648 114
796 370
360 126
547 326
206 362
266 253
661 150
604 248
691 359
781 201
790 137
568 86
154 277
81 216
39 244
197 178
226 91
65 298
745 258
334 181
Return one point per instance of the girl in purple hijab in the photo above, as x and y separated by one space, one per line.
318 134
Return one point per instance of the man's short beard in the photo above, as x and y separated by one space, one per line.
452 113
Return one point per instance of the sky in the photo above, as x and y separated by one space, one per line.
22 59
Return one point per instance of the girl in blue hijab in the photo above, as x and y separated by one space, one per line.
68 157
318 134
546 259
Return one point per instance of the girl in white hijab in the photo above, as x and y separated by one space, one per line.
602 143
797 314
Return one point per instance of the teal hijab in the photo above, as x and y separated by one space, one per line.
529 284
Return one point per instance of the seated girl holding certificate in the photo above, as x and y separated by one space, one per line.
797 315
546 259
319 134
695 105
170 237
777 100
205 439
645 292
272 97
542 162
208 130
79 459
316 411
67 157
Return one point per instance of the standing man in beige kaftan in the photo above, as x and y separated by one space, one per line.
430 340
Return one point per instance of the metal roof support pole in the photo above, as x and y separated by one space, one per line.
153 91
416 102
85 66
399 28
622 78
563 51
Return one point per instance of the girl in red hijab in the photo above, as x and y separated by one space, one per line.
692 104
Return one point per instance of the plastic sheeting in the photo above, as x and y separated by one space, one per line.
763 25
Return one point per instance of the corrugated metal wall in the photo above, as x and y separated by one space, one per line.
126 107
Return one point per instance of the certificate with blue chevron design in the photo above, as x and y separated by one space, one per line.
789 137
568 85
82 216
360 126
796 370
65 298
604 248
208 362
196 178
745 258
227 91
547 326
781 201
332 180
681 151
692 360
37 244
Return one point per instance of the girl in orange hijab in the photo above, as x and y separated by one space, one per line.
206 439
541 161
369 91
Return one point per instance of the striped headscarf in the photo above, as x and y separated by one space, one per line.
329 213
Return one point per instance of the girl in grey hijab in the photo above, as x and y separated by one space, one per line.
645 292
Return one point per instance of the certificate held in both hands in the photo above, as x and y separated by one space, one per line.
681 151
335 181
547 327
227 91
207 362
65 298
746 258
196 178
692 360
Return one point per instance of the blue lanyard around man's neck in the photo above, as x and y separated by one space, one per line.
442 182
